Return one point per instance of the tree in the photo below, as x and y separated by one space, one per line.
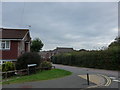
115 43
36 45
82 50
117 39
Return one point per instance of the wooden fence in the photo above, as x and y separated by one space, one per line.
23 71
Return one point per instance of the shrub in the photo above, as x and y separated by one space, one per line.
8 66
28 58
46 64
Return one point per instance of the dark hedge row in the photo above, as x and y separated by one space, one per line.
28 58
103 59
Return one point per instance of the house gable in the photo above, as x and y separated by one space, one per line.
19 43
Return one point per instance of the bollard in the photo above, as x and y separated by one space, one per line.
88 79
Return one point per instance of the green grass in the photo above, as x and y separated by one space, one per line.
44 75
0 67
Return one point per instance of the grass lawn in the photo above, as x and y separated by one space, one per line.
0 67
44 75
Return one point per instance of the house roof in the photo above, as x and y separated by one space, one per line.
63 48
6 33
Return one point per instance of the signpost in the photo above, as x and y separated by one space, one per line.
31 66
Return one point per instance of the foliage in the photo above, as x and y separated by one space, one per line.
44 75
8 66
46 64
115 43
0 67
28 58
103 59
36 45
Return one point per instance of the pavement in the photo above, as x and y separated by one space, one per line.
98 79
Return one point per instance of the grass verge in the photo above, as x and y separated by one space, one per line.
0 67
44 75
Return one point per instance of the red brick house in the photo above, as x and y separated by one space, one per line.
13 43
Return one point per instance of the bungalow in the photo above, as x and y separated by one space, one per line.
59 50
13 43
46 55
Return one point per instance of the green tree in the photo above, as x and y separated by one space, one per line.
36 45
115 43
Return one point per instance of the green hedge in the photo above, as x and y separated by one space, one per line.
103 59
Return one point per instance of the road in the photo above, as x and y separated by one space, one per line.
114 76
76 80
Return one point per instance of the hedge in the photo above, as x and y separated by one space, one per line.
102 59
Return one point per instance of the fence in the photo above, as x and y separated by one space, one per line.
22 72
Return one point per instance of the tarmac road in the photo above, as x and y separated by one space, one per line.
76 80
114 76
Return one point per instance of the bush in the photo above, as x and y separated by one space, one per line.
46 64
8 66
28 58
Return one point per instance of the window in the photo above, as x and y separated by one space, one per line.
4 45
7 44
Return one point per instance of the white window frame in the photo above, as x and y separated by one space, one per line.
5 45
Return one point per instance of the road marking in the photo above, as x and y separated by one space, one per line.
107 78
116 80
113 77
92 78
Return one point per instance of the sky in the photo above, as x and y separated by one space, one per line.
80 25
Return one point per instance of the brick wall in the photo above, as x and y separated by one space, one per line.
12 53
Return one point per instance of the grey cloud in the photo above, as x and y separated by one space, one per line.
77 25
0 14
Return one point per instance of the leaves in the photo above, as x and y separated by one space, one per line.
8 66
28 58
104 59
36 45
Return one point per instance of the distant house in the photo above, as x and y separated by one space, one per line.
62 50
13 43
46 55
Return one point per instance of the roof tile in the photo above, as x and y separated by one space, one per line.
13 33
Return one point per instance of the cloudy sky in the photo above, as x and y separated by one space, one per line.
88 25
